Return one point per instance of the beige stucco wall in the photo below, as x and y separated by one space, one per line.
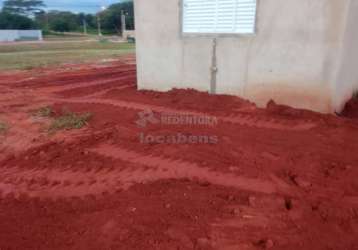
346 82
294 58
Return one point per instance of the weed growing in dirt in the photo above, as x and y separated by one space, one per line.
70 120
44 112
3 127
355 95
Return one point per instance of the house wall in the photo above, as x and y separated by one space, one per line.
347 73
292 58
15 35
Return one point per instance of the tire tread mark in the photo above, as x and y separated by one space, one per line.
243 120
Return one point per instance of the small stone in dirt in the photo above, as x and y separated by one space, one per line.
265 243
252 201
270 156
301 182
269 244
348 167
305 184
288 203
231 198
315 206
203 243
179 235
233 169
236 211
204 183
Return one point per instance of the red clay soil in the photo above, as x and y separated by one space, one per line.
275 178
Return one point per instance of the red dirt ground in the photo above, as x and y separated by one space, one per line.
275 178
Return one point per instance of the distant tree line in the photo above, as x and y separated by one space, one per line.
30 14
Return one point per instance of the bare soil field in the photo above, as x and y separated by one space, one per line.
143 174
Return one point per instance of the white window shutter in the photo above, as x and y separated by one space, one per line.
219 16
199 16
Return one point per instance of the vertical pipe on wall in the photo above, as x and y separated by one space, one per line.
213 68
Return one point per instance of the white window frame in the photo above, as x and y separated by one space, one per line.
219 34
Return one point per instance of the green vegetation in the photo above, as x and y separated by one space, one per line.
44 112
23 7
31 14
17 14
3 127
65 30
51 36
111 19
31 55
15 21
70 120
66 120
66 21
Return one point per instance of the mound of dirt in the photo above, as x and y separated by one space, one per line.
351 109
144 173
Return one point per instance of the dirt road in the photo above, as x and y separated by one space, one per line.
177 170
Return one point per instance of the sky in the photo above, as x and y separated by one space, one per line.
87 6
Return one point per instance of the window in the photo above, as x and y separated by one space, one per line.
219 16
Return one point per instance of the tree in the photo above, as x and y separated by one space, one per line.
13 21
63 21
60 25
89 19
23 7
41 18
111 17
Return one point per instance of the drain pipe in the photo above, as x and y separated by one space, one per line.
213 68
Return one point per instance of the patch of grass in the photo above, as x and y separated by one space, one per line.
70 120
32 55
3 127
103 40
44 112
63 46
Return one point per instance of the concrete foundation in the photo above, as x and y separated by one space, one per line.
20 35
303 53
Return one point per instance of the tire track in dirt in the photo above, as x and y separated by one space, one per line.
243 120
72 78
81 85
105 91
9 94
54 183
171 168
131 168
261 214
